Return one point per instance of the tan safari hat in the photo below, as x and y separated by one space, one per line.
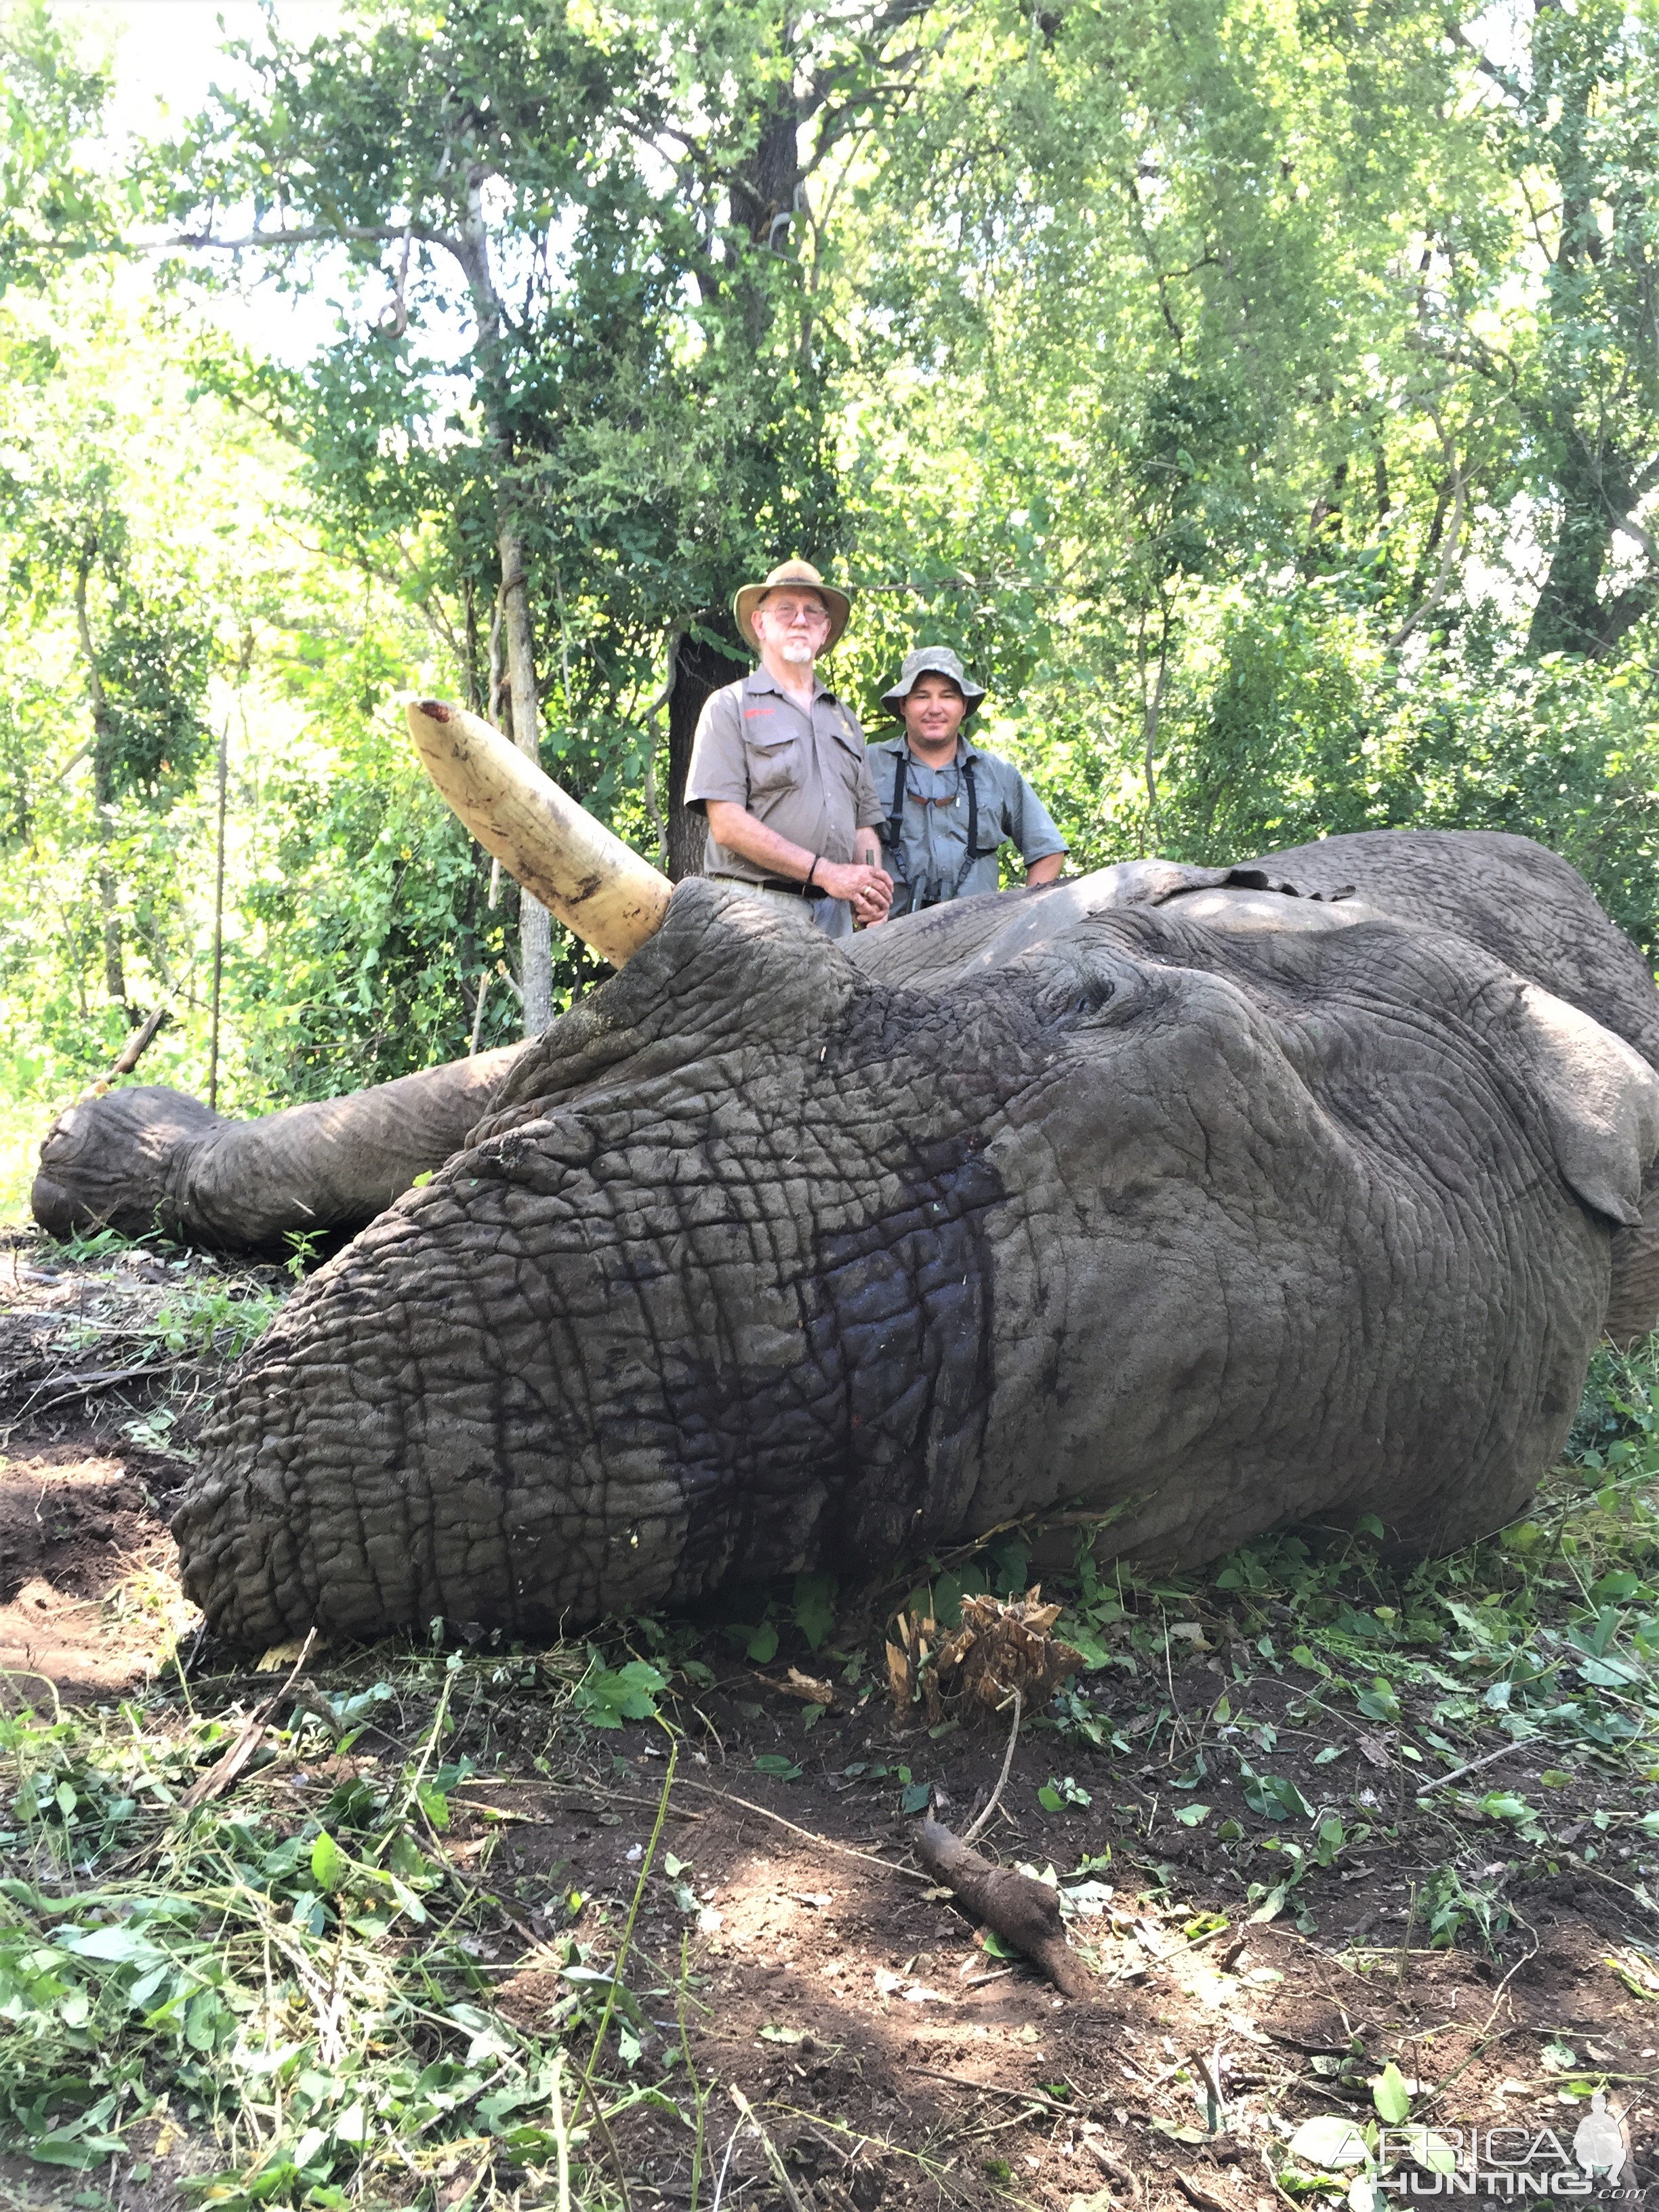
792 572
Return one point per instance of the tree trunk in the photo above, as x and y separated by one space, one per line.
534 928
1594 467
115 974
103 790
1593 495
765 190
470 247
699 668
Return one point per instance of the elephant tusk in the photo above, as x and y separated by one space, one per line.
612 900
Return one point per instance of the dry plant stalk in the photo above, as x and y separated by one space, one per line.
1002 1645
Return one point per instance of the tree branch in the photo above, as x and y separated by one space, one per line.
1632 529
318 234
1510 87
1426 606
1623 613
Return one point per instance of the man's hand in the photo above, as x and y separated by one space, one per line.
866 886
867 889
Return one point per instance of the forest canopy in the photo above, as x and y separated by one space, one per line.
1262 395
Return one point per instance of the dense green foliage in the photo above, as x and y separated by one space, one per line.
1265 400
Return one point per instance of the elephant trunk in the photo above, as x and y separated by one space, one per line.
613 900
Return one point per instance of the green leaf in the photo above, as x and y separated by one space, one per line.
1330 2141
1391 2095
1379 1702
1274 1796
63 2148
815 1608
407 1902
1191 1816
328 1863
762 1645
776 1762
205 2016
914 1798
116 1947
1504 1805
1050 1799
1431 2152
606 1697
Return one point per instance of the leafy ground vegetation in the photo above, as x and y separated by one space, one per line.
1363 1856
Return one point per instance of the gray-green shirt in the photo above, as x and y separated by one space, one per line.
803 775
931 855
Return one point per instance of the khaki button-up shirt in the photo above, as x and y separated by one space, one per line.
802 776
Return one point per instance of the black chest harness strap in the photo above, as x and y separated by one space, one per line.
895 818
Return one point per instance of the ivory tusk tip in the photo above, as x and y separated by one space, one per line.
580 871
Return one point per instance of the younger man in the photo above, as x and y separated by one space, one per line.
947 805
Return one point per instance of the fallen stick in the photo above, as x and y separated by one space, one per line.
823 1842
110 1378
974 1826
779 2171
797 1685
1040 2098
1207 2200
1024 1912
224 1773
464 1879
1487 1759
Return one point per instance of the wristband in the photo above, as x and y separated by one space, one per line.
812 871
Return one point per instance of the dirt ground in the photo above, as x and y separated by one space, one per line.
88 1594
895 2059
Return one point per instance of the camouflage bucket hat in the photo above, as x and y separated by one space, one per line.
932 660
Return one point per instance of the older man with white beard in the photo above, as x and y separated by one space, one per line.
779 766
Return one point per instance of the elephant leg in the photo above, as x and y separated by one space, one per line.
1633 1306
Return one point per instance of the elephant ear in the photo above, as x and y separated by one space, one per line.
1601 1100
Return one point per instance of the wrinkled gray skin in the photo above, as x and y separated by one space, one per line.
1208 1213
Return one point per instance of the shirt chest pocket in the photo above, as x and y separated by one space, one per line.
843 758
773 764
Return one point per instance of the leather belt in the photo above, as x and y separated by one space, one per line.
776 884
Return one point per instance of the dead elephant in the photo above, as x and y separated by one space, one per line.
1166 1194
